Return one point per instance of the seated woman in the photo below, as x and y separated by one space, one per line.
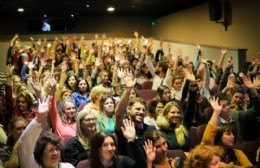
103 153
163 93
96 94
81 95
8 152
40 151
77 148
155 109
106 118
64 122
157 153
174 127
206 156
223 135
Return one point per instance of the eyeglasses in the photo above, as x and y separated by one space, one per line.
52 149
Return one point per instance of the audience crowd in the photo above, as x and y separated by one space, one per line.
118 103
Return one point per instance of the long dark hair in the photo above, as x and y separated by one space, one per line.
229 152
95 145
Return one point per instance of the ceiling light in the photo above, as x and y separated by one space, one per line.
72 15
45 16
110 9
20 10
87 6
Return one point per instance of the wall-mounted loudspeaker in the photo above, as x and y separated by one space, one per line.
215 10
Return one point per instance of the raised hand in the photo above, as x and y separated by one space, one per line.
43 109
230 61
256 81
247 82
224 50
36 85
231 81
178 53
189 75
215 105
129 79
149 151
120 72
128 129
8 70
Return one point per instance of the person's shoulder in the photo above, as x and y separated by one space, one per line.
66 165
148 127
125 161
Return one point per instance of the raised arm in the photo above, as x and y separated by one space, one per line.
30 135
148 60
211 129
122 104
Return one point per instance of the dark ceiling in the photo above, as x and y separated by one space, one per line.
64 8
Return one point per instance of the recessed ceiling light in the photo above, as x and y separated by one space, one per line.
87 6
110 9
20 10
72 15
45 16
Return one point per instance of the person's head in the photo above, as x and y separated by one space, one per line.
22 88
16 127
107 105
97 93
16 80
159 142
47 89
156 108
66 94
117 89
225 136
102 149
177 82
204 156
134 62
23 101
163 92
126 65
237 96
104 77
223 101
171 117
161 67
82 86
172 111
190 66
69 111
71 81
47 151
133 93
86 124
137 109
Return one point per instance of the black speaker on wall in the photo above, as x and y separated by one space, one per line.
215 10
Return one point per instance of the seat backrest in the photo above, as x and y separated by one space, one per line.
196 134
250 149
146 94
147 85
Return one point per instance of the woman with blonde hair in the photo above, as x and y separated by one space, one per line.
77 148
174 126
96 94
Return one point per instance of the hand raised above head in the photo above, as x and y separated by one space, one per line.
129 79
214 102
43 109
